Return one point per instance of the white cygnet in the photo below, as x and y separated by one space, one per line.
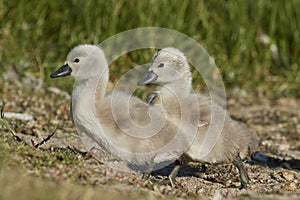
170 67
121 124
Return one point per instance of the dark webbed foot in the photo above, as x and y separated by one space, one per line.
244 178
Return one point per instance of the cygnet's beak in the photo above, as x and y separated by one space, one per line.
150 77
65 70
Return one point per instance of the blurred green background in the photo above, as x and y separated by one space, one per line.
255 44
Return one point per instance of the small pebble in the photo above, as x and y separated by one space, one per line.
228 183
290 186
276 187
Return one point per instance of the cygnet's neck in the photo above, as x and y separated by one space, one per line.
182 86
88 90
85 94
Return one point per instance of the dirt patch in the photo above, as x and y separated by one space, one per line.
274 173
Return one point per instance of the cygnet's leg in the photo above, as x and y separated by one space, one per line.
171 178
146 175
174 173
149 169
244 178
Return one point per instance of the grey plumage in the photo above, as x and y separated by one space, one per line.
170 67
120 124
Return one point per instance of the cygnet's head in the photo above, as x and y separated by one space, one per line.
83 62
168 65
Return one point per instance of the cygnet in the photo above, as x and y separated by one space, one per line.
170 67
121 124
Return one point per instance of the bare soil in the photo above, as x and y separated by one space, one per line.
274 172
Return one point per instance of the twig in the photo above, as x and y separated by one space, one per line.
43 141
69 149
46 138
76 151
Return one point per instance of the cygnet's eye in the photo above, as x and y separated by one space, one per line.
161 65
76 60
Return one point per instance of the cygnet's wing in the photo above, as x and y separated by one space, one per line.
219 137
140 128
120 109
234 139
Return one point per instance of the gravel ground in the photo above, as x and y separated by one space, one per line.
274 172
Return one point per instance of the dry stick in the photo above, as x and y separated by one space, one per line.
72 149
16 137
46 138
76 151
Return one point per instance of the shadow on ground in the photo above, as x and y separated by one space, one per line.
259 158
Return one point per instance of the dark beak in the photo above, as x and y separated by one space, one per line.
65 70
148 78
